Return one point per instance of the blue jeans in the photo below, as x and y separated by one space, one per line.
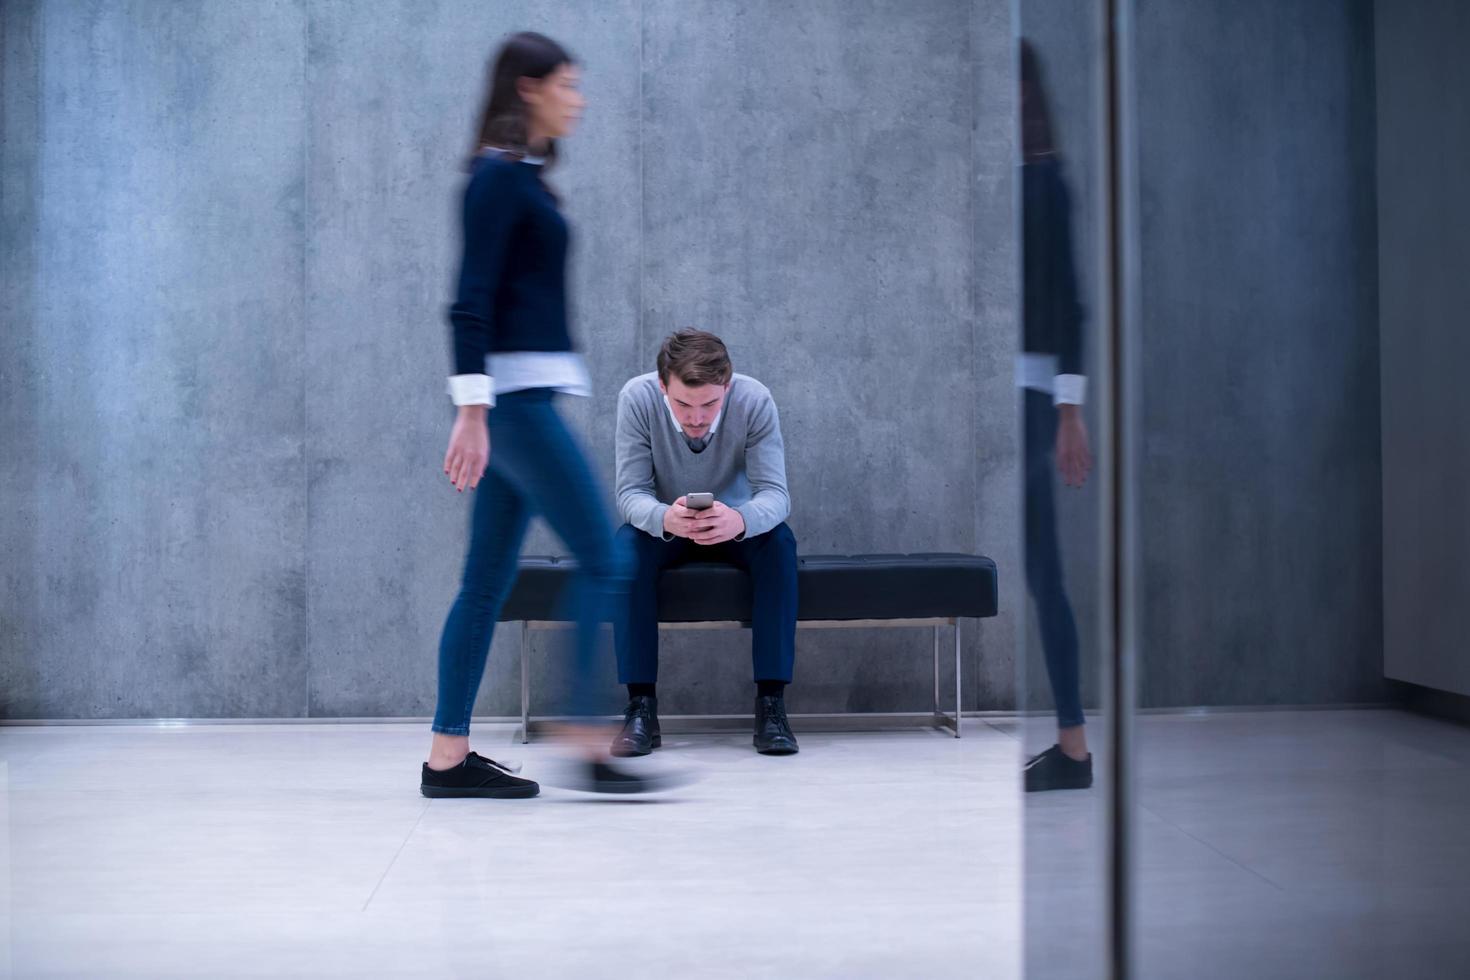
536 467
1044 562
770 561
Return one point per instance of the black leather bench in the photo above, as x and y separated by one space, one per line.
930 590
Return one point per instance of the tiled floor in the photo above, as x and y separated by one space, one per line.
293 850
1330 844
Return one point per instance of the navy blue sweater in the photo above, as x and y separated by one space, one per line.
1050 305
512 284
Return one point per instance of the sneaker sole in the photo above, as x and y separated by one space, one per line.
644 787
617 789
1058 787
480 793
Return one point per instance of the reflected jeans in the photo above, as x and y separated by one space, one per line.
1044 562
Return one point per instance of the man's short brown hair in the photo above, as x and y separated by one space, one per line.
696 358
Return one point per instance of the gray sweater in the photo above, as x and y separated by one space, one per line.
743 462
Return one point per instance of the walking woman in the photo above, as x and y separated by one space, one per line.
513 355
1051 374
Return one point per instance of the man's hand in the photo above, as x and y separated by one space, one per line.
711 526
716 525
1074 458
679 520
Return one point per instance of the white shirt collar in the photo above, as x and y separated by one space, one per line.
532 160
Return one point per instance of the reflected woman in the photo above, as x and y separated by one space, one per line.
1050 372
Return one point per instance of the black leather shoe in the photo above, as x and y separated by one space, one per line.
772 730
640 734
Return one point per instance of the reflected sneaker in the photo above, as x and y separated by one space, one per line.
640 734
772 730
476 776
1054 769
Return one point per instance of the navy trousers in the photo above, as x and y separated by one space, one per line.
769 559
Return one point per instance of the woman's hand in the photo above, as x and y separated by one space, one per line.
1074 458
469 448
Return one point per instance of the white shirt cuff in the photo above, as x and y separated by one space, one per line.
1069 389
472 389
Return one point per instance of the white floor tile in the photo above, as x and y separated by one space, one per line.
306 850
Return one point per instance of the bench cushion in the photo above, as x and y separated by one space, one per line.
922 586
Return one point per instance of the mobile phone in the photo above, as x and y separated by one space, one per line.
699 501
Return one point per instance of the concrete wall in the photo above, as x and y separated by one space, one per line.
1261 495
1424 242
154 527
229 240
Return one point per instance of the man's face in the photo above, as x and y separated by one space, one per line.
696 408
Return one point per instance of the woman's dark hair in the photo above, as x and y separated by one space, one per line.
503 124
1037 140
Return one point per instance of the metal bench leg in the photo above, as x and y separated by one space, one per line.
938 718
958 689
525 683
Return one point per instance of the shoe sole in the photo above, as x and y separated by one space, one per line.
480 793
777 751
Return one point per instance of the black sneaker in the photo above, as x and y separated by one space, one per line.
600 777
1054 769
772 730
476 776
640 734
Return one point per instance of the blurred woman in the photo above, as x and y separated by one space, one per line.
513 357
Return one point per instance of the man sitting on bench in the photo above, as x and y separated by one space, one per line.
691 431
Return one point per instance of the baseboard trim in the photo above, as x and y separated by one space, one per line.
1431 701
988 715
